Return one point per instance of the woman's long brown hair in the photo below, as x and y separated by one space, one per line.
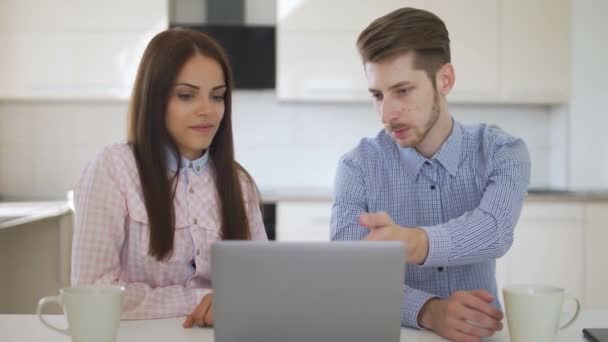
163 58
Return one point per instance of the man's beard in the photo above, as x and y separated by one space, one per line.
419 134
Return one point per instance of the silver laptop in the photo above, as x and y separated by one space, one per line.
309 291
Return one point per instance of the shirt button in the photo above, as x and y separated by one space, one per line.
427 163
198 168
198 251
440 269
195 221
432 187
191 191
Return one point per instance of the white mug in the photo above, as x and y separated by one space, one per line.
534 312
92 312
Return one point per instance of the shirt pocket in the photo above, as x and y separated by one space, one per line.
140 234
209 232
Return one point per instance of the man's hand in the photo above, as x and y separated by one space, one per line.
381 228
465 316
202 314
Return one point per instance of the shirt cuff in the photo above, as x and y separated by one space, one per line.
440 243
413 300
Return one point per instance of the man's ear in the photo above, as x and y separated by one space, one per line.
445 79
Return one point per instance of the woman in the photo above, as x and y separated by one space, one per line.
147 211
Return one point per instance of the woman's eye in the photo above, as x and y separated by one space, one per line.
218 98
184 96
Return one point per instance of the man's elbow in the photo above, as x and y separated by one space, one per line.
504 243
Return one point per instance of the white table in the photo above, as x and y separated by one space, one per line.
25 328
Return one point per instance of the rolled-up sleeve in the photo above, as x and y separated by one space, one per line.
487 231
349 203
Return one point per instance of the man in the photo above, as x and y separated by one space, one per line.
451 193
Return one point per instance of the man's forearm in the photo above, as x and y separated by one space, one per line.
417 245
426 313
471 238
413 301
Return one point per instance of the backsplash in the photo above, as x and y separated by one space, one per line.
44 145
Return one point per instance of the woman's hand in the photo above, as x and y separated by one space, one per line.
202 314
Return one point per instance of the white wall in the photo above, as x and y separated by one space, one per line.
45 144
298 145
588 112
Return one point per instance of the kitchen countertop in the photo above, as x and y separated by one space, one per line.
295 194
18 213
323 194
557 195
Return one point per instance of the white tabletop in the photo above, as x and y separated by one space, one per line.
18 328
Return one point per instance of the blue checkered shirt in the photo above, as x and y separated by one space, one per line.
467 197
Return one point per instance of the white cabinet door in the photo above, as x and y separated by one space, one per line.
514 51
473 27
535 50
317 57
34 262
303 221
548 247
74 49
319 66
502 274
596 270
334 16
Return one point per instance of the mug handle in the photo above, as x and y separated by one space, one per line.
44 301
578 311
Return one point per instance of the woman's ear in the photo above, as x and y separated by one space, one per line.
445 79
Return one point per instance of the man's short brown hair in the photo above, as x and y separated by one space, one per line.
404 30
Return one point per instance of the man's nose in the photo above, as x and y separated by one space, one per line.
389 110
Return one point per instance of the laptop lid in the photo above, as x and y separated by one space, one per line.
309 291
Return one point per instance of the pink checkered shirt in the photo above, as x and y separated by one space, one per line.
110 244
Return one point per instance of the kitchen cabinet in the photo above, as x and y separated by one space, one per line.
34 262
503 51
306 71
596 241
317 58
535 50
75 49
547 248
559 242
303 221
474 51
333 16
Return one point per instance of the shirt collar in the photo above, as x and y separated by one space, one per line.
450 151
413 162
448 155
197 165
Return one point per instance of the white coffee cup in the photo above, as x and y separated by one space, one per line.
534 312
92 312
